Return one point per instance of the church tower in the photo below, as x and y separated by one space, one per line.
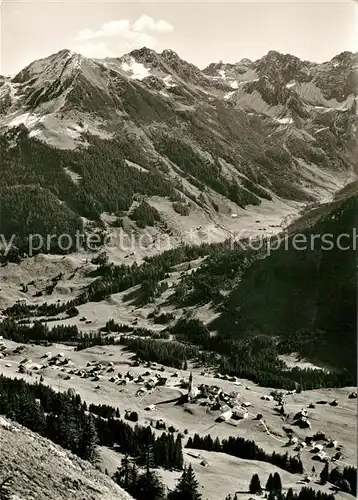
190 382
191 387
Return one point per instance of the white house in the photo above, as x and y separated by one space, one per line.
225 416
322 455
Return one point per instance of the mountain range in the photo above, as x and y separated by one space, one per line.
94 136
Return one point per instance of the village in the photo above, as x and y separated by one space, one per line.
163 397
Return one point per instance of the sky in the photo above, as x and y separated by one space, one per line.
200 32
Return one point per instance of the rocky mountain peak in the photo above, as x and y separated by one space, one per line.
48 67
283 67
170 54
144 55
346 58
245 61
227 110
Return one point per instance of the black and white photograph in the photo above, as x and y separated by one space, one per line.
178 249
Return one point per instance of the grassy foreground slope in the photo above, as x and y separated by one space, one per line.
40 469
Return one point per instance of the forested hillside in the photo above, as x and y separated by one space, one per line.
306 296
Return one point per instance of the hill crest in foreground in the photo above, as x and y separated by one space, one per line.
40 469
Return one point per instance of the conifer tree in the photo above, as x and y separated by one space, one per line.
88 439
123 474
324 476
217 444
276 483
150 487
189 444
31 414
133 481
149 457
255 485
187 487
269 483
178 453
290 495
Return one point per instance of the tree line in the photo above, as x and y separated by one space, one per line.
36 165
113 279
207 172
39 331
255 358
344 478
66 420
274 490
248 449
273 487
168 353
148 485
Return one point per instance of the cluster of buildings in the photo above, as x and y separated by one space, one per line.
317 443
228 404
301 419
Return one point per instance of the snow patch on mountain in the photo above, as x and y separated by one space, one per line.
27 119
64 133
136 70
284 121
168 81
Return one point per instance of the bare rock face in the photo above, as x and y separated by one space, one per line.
37 468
